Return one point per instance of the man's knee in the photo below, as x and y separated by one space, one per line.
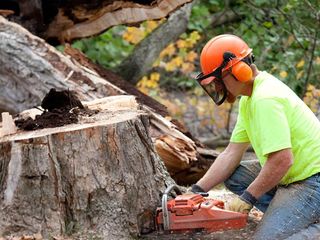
233 186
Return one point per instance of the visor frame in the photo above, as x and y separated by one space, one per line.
217 74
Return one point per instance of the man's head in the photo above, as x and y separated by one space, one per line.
226 67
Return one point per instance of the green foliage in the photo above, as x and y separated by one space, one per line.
107 49
281 33
200 14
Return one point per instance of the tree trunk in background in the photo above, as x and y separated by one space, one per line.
148 50
100 177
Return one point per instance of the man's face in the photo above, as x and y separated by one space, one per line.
232 87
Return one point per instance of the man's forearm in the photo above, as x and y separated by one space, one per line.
272 172
223 166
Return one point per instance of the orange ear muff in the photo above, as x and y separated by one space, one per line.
242 72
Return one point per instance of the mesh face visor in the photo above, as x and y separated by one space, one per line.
213 84
215 88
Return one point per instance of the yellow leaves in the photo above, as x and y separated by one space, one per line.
187 67
191 56
300 64
146 84
181 43
283 74
312 98
151 25
190 41
173 64
193 38
177 61
317 60
300 74
179 56
170 67
168 51
155 77
133 35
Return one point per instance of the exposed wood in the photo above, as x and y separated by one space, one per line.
30 67
72 19
185 157
100 19
115 80
7 127
100 176
5 13
147 51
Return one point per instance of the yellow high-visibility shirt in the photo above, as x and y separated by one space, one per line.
275 118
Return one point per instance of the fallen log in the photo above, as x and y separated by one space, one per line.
99 176
68 20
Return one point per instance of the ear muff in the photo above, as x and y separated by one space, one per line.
242 72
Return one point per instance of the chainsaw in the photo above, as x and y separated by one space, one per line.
195 212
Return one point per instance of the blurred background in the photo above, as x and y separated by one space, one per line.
284 36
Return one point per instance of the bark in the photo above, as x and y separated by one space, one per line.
30 67
104 18
101 176
60 21
226 16
148 50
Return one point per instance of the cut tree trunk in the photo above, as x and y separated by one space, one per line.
99 178
30 68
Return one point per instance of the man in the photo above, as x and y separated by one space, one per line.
285 134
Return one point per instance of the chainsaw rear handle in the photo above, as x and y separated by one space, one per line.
165 214
198 190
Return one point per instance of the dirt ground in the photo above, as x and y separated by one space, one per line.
244 233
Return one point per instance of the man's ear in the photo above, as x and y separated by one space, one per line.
254 68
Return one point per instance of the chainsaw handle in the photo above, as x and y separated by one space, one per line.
203 194
165 214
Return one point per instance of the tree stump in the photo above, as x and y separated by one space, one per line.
30 68
99 176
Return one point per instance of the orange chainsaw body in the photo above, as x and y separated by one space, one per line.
194 212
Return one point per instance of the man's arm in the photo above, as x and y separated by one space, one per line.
275 168
223 166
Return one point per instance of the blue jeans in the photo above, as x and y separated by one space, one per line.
290 212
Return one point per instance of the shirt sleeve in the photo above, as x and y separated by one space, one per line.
239 133
271 126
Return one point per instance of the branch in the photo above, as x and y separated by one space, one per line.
226 16
291 27
313 48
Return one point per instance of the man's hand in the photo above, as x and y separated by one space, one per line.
238 205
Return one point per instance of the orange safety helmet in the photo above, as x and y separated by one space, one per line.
212 56
222 53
